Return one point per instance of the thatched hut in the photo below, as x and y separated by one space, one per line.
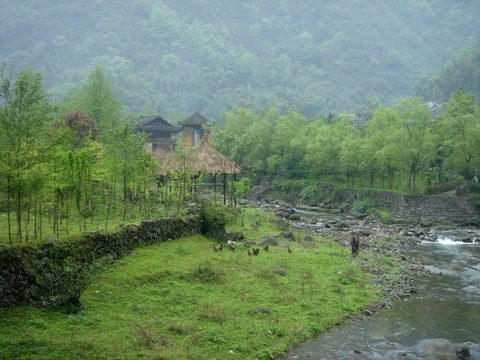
167 159
203 159
206 159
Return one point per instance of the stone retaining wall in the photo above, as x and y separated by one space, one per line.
40 273
437 208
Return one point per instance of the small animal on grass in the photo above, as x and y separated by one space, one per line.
289 250
246 245
265 247
217 247
256 251
250 252
355 243
231 247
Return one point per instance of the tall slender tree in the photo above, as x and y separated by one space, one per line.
462 117
24 118
95 98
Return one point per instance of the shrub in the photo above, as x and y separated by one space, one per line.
214 218
361 205
308 194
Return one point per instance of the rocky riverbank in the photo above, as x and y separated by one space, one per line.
390 238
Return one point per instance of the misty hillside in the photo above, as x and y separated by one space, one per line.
171 56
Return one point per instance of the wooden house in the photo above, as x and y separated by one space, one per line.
160 132
193 131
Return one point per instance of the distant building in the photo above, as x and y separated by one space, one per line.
193 131
160 132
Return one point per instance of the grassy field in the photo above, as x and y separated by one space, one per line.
182 300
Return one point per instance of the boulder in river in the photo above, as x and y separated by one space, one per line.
445 349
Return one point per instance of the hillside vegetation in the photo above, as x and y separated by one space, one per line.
177 57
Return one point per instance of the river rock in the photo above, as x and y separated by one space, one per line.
294 217
235 236
287 235
364 232
269 240
445 349
426 223
463 352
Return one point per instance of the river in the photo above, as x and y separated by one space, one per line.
442 316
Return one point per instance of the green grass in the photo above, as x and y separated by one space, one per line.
182 300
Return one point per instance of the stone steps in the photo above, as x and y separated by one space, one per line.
438 208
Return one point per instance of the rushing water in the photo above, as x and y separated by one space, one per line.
442 316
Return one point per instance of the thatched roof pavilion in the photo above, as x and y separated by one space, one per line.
202 159
206 158
167 159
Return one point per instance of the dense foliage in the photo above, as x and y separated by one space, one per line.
464 72
399 147
82 165
178 57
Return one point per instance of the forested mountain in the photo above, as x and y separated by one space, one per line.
464 72
177 57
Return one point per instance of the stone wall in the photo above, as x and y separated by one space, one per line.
43 273
436 208
381 199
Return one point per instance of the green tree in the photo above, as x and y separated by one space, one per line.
24 118
413 139
381 132
287 152
95 98
127 160
325 152
231 136
350 155
462 117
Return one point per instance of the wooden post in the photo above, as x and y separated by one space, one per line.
224 189
233 190
215 187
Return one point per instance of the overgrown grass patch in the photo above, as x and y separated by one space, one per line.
182 300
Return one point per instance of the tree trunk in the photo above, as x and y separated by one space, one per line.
414 175
40 226
8 212
68 213
35 217
19 215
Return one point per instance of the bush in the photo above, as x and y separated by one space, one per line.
214 218
308 194
361 206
